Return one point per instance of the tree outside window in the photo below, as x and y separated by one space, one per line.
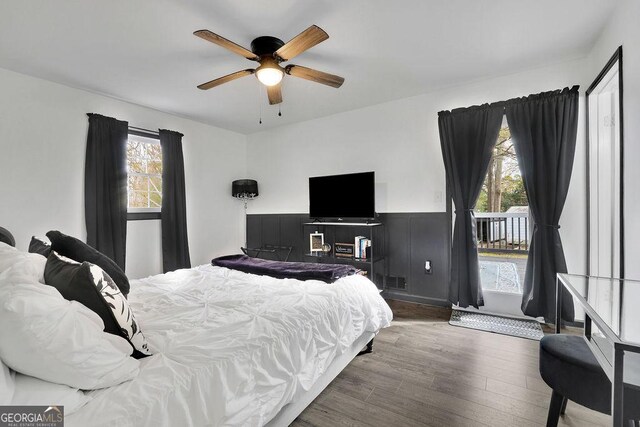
144 170
503 186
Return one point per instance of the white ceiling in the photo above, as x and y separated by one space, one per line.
143 51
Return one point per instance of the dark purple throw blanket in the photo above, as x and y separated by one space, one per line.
328 273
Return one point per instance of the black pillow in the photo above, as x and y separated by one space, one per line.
77 250
7 237
91 286
37 246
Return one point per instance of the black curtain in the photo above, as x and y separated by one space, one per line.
175 246
467 137
543 128
105 187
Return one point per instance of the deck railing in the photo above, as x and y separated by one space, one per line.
502 231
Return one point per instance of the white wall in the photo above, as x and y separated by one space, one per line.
399 140
623 29
43 130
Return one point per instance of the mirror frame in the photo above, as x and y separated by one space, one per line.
614 61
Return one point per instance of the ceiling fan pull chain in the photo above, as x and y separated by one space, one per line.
279 110
259 86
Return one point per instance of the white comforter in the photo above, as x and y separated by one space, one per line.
232 348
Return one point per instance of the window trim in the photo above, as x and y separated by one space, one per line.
144 134
142 214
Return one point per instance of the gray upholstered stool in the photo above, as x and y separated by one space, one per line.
572 371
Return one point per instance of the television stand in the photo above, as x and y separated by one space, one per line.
346 224
345 233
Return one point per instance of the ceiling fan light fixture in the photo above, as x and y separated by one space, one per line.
269 76
269 72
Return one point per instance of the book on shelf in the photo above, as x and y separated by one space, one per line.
360 247
356 246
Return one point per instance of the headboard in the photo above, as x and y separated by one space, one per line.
7 237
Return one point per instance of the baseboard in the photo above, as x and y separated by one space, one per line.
416 298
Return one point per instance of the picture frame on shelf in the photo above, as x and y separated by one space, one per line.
344 250
316 243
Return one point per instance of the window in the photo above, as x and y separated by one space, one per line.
144 175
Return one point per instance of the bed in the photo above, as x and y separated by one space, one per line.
232 348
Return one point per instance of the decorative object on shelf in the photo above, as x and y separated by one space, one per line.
244 190
316 242
326 249
346 250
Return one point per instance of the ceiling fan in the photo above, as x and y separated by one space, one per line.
270 52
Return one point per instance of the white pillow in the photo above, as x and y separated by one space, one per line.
23 264
34 391
7 384
45 336
5 247
7 253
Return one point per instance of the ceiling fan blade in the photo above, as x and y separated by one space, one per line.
225 79
227 44
275 94
314 75
303 41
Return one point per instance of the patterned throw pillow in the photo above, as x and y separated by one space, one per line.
92 286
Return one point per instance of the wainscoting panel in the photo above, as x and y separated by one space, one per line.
271 229
410 240
429 242
398 250
280 230
291 234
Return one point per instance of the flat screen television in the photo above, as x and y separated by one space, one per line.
343 196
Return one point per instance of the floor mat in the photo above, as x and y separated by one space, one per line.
500 276
501 325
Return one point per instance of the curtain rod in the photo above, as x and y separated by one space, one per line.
152 132
134 128
504 104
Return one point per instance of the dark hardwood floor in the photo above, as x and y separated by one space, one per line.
425 372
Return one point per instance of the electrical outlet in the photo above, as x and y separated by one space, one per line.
427 267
